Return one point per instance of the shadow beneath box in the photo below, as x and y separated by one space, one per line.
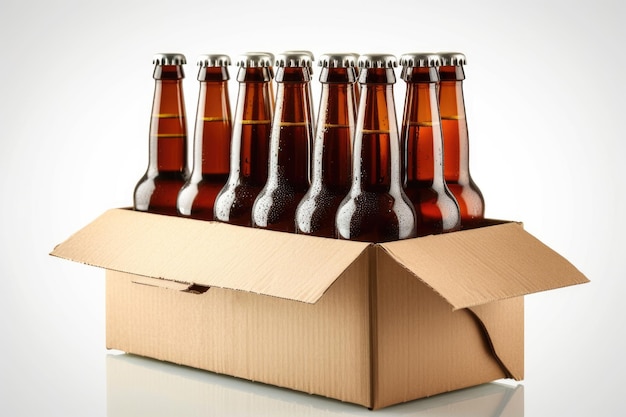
140 386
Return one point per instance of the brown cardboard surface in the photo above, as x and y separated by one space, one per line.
420 340
372 324
320 348
466 268
478 266
283 265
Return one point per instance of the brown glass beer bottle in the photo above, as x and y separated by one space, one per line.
332 150
376 208
167 169
456 142
309 97
211 145
422 147
290 146
250 140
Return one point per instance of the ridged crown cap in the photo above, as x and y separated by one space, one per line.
169 59
213 60
295 59
338 60
377 61
420 59
455 59
255 59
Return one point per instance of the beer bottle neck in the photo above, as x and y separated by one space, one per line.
377 140
213 74
451 73
454 127
292 128
213 124
251 125
293 74
168 72
451 100
421 129
338 75
377 76
335 129
168 128
254 74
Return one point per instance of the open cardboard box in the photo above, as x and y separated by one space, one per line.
370 324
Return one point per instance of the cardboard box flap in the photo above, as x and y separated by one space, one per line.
477 266
283 265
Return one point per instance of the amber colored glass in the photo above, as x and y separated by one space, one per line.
249 146
332 153
211 151
456 147
290 152
376 208
167 171
422 152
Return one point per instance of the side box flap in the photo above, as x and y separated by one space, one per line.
478 266
203 253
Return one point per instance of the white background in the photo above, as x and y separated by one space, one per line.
544 93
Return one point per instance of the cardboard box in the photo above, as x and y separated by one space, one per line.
370 324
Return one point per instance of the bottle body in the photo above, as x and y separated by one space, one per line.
290 147
250 141
422 148
376 208
331 175
211 160
167 170
456 141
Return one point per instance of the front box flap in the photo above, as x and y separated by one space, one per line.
283 265
478 266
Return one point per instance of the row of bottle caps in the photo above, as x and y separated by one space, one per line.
350 173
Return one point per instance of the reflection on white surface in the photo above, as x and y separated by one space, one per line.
139 386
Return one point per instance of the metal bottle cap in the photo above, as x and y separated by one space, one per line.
338 60
213 60
255 59
295 59
377 61
169 59
420 60
455 59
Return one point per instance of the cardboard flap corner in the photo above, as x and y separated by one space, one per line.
478 266
283 265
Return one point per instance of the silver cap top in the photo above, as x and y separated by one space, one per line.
169 59
455 59
338 60
377 61
255 59
420 59
295 59
213 60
